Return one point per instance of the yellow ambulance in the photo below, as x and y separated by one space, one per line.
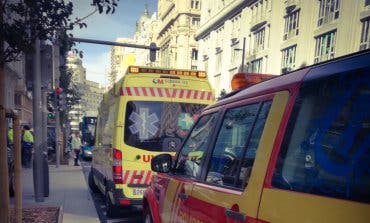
148 112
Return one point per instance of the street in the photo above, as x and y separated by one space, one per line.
132 215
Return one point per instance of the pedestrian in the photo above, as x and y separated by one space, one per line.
10 138
76 146
27 146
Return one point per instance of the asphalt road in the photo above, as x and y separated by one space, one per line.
132 215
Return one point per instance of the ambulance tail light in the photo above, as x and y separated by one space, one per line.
124 202
243 80
117 166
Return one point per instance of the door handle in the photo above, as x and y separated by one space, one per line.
182 196
235 215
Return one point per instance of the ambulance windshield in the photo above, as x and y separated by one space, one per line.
159 126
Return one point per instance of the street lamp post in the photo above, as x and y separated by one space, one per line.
243 54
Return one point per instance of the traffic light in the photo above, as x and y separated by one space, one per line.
51 105
60 99
153 52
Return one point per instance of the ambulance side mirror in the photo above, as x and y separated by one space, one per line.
161 163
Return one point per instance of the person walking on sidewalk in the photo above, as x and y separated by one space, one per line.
27 146
76 146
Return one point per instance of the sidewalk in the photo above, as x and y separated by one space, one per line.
67 188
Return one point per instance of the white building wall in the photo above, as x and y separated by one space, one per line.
219 34
178 21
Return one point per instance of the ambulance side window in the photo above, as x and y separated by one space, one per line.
193 152
236 145
325 150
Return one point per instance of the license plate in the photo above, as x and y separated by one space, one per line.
137 192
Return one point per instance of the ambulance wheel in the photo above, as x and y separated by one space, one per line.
92 184
112 210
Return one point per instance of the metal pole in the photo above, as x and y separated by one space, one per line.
242 70
17 170
45 166
4 187
37 119
56 76
111 43
57 137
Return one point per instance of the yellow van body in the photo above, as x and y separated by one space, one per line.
148 112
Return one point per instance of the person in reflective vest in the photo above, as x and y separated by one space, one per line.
27 146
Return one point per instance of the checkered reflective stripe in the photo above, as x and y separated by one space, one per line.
167 92
137 177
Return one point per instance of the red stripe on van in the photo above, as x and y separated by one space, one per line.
181 93
160 92
148 177
152 92
132 178
144 91
128 91
127 172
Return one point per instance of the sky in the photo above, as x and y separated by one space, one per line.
96 58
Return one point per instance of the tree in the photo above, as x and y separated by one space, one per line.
21 23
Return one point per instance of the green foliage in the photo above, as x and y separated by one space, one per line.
72 95
21 22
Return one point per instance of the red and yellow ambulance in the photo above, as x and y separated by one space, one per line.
148 112
295 148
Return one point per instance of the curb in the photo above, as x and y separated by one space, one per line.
60 215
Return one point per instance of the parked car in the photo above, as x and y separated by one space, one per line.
86 152
294 148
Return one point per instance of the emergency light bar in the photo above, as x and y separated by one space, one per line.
145 70
243 80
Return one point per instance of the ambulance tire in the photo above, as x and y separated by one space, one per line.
147 216
92 184
112 210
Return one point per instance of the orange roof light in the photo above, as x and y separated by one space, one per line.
133 69
202 74
243 80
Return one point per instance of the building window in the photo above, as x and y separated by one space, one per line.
236 53
259 10
17 99
194 54
328 11
236 26
256 66
365 37
205 61
325 46
288 58
218 62
195 22
291 25
219 36
195 4
259 40
367 3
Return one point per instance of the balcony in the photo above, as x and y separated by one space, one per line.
290 5
258 21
